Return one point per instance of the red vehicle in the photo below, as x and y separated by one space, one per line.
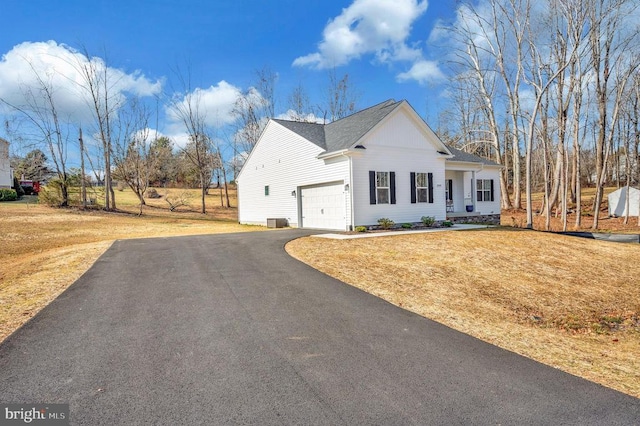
30 186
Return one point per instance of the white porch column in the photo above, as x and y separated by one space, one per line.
467 184
473 191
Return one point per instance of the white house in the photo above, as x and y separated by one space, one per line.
383 161
618 201
6 174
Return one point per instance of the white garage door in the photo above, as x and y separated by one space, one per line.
323 206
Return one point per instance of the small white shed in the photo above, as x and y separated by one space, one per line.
618 202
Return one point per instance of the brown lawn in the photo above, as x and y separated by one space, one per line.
568 302
46 249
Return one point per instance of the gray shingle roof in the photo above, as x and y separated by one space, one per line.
459 155
310 131
344 133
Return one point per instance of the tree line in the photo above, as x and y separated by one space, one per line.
125 145
550 90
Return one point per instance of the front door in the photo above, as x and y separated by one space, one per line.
448 188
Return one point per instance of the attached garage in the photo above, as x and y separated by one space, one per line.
323 206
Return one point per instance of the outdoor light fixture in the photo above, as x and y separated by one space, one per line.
293 193
346 187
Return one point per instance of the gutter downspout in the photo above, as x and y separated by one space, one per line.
351 224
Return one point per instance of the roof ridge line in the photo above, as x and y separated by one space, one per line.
389 101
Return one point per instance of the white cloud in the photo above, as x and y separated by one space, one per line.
424 72
215 104
295 116
60 66
380 27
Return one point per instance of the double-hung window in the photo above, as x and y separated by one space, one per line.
484 189
382 187
421 187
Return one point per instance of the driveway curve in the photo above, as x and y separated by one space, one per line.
228 329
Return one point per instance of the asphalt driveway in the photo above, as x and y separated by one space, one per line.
228 329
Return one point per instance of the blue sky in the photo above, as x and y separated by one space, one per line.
382 44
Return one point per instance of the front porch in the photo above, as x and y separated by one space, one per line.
459 192
470 196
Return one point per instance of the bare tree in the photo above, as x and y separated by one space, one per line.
131 154
478 39
341 96
510 26
543 71
104 102
187 107
300 108
253 109
41 111
608 45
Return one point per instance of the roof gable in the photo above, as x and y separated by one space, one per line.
346 132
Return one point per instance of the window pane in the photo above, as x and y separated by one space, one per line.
382 179
383 196
421 179
479 196
479 185
487 195
423 195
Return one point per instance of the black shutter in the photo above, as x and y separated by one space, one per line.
372 187
392 184
450 183
492 196
430 177
413 187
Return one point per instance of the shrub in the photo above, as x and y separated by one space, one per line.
8 195
50 195
386 223
428 220
407 225
17 187
447 224
177 200
361 229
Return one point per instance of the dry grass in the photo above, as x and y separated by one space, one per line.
44 249
518 218
568 302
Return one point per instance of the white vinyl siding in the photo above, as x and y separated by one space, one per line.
487 174
399 144
284 162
